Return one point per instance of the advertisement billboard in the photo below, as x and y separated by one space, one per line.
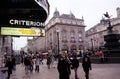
12 31
17 17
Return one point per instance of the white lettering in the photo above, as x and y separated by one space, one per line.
26 23
11 21
16 22
23 22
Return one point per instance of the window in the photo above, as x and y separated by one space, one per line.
64 35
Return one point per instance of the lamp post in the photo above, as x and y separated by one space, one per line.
92 44
58 41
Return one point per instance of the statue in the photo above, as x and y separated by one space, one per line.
112 41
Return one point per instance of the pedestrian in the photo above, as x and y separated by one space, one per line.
41 58
31 64
52 61
63 68
86 64
101 56
81 53
37 64
14 62
27 64
75 65
49 61
9 65
106 55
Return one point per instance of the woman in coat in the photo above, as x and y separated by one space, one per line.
63 68
86 64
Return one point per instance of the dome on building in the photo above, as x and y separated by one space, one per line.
56 13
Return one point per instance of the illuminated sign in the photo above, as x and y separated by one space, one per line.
22 31
26 23
21 12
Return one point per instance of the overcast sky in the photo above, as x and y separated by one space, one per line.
91 10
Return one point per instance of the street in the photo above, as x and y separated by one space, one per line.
99 71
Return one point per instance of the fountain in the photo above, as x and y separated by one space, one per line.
112 44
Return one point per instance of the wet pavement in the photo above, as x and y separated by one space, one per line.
99 71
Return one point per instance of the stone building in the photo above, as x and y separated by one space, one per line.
65 33
95 35
6 44
37 44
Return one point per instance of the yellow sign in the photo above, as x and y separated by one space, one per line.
22 31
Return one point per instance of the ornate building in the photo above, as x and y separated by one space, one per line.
65 33
37 44
95 35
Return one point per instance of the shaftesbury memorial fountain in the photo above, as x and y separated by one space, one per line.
112 42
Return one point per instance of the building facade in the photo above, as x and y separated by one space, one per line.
95 35
6 45
64 33
37 44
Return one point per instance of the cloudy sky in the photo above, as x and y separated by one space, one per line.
91 10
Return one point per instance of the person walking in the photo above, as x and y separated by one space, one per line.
14 62
31 64
101 56
27 64
49 61
75 65
63 68
86 64
9 65
37 62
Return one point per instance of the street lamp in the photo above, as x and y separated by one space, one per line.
58 41
92 44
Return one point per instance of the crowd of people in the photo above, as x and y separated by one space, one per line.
65 63
27 60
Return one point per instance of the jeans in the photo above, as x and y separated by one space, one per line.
31 68
37 68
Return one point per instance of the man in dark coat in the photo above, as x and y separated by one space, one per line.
75 65
27 64
9 65
64 68
49 61
14 62
86 64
